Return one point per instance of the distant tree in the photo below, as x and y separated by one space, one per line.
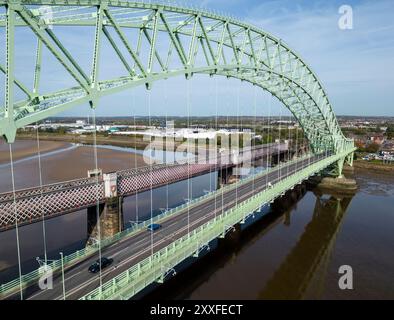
372 148
62 130
360 146
360 131
390 131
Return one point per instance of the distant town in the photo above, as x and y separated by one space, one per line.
374 136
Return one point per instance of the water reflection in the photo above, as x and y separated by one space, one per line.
305 266
283 256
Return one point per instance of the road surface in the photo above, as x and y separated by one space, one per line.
129 251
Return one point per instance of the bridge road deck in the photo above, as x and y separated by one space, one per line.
78 281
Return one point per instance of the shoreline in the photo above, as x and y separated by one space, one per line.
24 148
118 142
365 165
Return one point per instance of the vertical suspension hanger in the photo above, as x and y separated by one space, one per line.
269 138
135 156
150 171
237 135
93 104
255 128
296 145
188 158
208 153
98 218
279 135
9 106
41 195
217 156
288 143
165 153
36 84
16 217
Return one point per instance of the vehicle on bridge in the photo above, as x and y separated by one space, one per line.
105 262
154 227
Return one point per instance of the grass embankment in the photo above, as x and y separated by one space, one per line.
22 149
138 142
120 141
377 165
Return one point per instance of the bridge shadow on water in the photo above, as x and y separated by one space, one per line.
299 275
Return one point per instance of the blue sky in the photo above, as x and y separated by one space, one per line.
355 66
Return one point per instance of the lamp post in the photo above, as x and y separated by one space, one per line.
134 223
63 284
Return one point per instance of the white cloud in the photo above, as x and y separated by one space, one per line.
356 66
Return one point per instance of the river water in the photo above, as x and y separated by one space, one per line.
294 253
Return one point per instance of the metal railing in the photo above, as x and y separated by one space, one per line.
33 276
152 268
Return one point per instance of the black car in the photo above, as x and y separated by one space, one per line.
105 262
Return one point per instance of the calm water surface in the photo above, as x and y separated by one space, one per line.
296 254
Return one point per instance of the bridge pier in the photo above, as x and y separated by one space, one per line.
109 212
338 170
279 156
110 216
339 167
224 176
285 202
232 237
349 159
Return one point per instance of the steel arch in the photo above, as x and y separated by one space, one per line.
197 41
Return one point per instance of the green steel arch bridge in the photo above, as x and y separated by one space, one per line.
169 41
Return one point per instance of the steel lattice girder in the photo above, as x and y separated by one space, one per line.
198 41
70 196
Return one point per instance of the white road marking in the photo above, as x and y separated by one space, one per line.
168 237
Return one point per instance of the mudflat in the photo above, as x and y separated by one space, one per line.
67 163
26 148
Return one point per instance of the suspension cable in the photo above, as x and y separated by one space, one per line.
296 148
208 153
254 138
189 194
237 123
165 152
288 143
135 156
41 194
98 218
217 156
151 170
269 137
280 120
16 223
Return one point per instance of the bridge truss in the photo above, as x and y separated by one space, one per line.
169 41
156 41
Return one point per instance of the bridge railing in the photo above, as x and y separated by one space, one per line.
31 277
65 197
156 266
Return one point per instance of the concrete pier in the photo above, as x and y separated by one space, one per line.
109 213
111 221
341 185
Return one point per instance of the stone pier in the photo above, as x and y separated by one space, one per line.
290 198
224 176
109 213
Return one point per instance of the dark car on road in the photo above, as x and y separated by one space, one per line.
105 262
154 226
